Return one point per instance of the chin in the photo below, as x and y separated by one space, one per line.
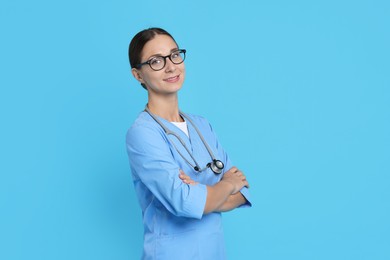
174 86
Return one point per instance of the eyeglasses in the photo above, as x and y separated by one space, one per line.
158 62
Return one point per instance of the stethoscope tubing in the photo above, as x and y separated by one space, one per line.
169 132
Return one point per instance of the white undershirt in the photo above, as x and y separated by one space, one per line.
182 126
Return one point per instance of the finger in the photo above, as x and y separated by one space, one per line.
185 178
233 169
186 181
182 174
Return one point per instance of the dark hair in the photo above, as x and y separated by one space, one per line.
138 42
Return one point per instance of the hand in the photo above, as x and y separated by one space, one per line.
186 179
237 178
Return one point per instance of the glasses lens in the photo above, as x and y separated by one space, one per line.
157 63
178 57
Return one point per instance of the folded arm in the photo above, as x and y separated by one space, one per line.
160 178
225 195
232 202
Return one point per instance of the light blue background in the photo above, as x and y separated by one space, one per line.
298 92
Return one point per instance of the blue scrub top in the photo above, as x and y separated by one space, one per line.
174 225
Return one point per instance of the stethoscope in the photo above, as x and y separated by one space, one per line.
215 165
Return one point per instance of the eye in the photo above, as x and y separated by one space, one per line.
156 61
175 55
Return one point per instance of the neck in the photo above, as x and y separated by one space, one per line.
167 108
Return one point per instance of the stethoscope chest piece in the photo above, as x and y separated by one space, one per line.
216 166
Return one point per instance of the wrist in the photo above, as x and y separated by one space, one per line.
229 185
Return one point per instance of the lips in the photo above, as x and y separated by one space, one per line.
172 79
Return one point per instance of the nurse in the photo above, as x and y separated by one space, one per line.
181 197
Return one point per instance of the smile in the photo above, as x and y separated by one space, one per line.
172 79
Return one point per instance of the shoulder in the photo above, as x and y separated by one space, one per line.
142 129
143 120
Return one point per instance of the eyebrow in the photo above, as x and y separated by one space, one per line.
159 54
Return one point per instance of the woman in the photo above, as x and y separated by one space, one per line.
182 176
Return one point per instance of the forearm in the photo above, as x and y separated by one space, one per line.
217 195
232 202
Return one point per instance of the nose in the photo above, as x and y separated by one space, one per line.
169 66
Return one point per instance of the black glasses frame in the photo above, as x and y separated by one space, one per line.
181 51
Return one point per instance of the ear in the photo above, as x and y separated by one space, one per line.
137 75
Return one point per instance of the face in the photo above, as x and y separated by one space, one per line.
166 81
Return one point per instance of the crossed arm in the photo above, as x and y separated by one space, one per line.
225 195
144 146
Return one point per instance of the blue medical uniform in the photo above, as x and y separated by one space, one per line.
174 225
